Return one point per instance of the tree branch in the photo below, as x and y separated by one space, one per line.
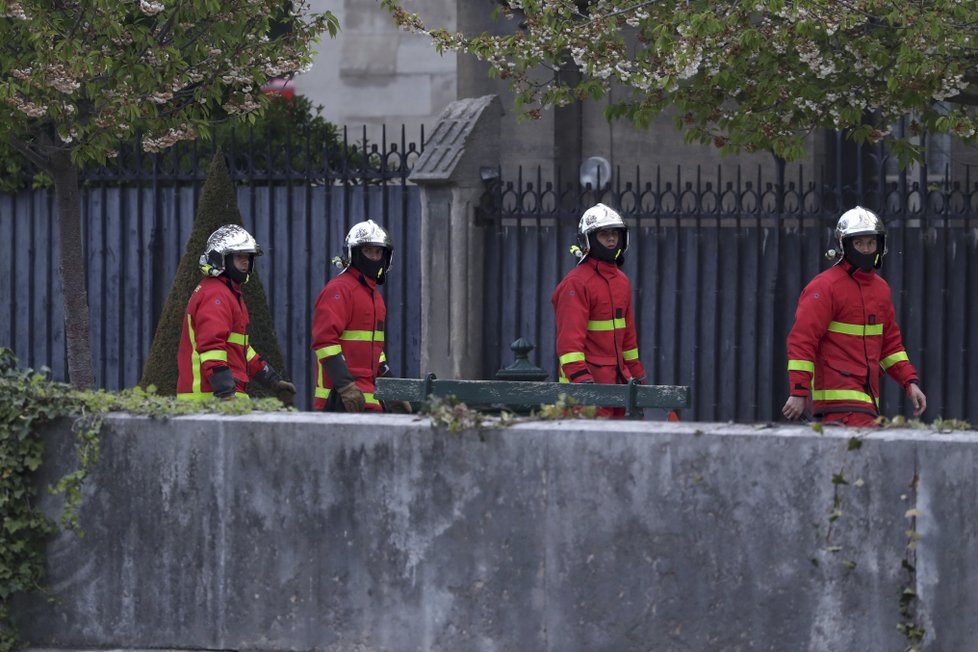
30 153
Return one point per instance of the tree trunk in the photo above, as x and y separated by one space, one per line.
71 265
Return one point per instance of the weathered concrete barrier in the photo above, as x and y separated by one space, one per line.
378 533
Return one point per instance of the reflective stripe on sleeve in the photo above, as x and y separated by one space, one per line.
251 354
214 355
894 358
575 356
328 351
801 365
238 338
630 354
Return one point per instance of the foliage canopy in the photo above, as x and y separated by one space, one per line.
79 76
743 76
87 74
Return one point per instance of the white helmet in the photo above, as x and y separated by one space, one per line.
598 218
860 221
226 241
369 233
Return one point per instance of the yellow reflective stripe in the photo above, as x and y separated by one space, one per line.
194 357
238 338
891 360
363 336
251 354
322 392
856 329
213 355
841 395
575 356
383 357
199 396
606 324
630 354
801 365
328 351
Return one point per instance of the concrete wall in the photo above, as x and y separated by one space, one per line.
378 533
374 74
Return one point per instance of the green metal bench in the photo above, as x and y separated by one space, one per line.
515 394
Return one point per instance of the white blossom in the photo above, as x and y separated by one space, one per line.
150 8
14 10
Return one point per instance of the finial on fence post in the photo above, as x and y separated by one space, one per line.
521 368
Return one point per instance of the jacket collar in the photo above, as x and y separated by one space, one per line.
602 267
857 273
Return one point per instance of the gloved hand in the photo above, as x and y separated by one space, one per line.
399 407
284 391
352 398
222 383
271 379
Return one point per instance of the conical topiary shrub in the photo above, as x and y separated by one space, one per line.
218 205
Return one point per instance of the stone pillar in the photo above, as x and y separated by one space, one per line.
464 141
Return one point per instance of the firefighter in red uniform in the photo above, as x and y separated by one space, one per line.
348 326
596 340
845 333
214 358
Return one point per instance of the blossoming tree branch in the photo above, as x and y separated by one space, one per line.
77 77
744 76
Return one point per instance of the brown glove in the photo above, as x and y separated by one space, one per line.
352 397
399 407
285 391
273 381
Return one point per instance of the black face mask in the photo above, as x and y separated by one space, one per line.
232 272
865 262
370 268
600 252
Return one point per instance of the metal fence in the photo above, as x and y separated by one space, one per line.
716 263
717 266
298 201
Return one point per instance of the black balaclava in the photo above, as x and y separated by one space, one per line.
865 262
232 272
371 268
603 253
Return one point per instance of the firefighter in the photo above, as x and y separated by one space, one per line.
845 333
596 340
215 358
348 326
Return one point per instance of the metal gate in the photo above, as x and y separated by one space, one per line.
137 216
717 266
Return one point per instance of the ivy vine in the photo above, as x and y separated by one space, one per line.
29 400
909 625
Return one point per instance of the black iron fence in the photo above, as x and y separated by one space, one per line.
717 265
299 200
717 261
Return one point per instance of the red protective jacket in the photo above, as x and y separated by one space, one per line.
349 321
215 334
845 332
596 337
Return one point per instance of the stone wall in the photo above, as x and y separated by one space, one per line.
378 533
